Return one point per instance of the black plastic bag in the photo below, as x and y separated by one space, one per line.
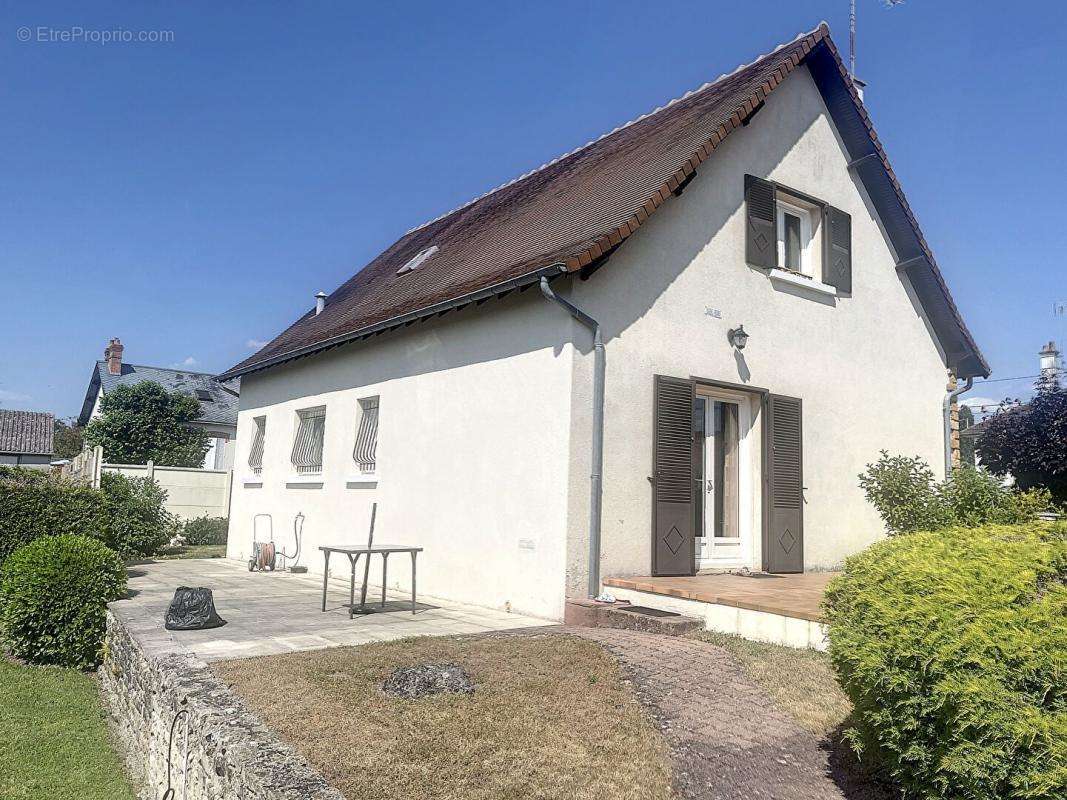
192 610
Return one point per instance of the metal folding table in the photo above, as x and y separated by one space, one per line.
354 551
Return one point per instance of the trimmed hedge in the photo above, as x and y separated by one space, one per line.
53 598
205 530
952 646
34 503
127 514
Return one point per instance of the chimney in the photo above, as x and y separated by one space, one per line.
320 302
1050 360
113 356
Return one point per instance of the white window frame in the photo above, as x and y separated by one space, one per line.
807 262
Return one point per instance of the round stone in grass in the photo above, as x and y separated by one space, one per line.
423 680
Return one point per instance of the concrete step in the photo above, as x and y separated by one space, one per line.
591 614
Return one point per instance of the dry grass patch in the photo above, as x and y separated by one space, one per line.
801 682
550 718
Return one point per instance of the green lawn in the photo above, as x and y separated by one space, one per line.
193 551
53 738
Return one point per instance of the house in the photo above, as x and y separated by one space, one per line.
672 349
26 438
218 400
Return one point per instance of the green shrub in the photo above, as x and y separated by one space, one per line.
952 646
905 493
137 524
974 497
127 514
35 504
907 497
53 597
205 530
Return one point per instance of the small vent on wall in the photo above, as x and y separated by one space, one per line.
417 261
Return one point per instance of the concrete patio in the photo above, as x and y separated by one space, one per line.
269 613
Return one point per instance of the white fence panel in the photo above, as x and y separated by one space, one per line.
191 492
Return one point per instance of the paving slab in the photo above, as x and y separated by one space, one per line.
279 612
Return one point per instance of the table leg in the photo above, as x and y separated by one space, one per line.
325 578
385 568
363 592
352 583
413 554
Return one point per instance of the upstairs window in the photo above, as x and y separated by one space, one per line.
307 445
796 224
366 450
255 455
787 230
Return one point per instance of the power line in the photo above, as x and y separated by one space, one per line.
995 380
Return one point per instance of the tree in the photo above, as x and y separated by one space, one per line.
1029 442
68 438
144 422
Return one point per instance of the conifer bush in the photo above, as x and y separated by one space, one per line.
952 646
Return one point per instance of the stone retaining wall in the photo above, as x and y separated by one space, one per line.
224 752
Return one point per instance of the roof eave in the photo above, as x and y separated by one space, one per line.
408 318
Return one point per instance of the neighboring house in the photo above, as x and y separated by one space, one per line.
218 401
447 382
26 438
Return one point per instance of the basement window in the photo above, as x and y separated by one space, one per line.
417 261
307 445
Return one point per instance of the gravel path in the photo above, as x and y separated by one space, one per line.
727 738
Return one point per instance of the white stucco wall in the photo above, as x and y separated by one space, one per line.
866 366
473 446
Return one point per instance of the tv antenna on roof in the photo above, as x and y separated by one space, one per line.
852 33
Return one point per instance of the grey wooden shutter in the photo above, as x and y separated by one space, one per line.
672 478
761 235
837 253
783 542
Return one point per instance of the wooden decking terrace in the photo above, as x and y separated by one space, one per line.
797 596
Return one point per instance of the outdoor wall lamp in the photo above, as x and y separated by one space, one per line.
737 337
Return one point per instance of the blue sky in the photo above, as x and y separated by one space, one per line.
191 196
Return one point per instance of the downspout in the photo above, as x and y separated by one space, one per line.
597 454
947 415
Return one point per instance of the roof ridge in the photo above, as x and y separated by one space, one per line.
707 85
166 369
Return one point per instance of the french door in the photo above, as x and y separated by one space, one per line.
722 495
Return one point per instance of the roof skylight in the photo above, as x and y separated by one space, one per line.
418 260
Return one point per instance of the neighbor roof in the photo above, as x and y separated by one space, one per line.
221 409
26 432
573 211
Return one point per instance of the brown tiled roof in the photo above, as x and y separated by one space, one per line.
26 432
569 213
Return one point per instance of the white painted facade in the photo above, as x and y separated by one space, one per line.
485 416
472 456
